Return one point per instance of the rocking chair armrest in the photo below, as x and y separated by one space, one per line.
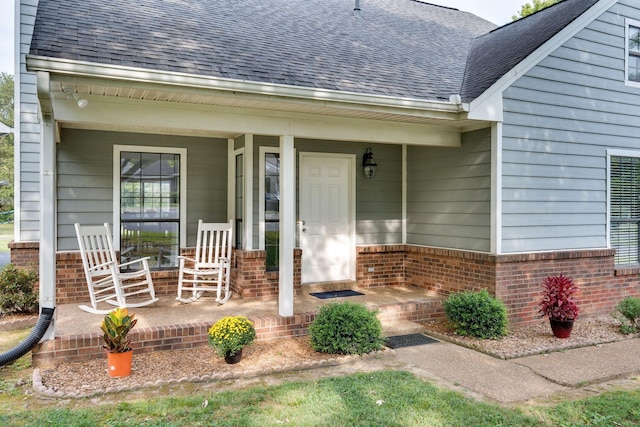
134 261
186 258
100 266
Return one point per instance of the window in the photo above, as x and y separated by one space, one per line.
239 199
272 209
633 51
624 188
151 204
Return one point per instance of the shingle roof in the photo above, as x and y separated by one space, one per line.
494 54
401 48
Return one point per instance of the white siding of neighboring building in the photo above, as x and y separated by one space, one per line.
560 119
27 137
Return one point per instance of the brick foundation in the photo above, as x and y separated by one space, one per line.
515 279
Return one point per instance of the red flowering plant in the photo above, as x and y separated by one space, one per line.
557 298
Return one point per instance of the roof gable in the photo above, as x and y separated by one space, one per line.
494 54
399 48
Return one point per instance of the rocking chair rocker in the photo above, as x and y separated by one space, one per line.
210 270
105 280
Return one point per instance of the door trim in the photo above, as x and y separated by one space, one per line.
352 203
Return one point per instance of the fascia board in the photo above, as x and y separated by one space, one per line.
115 72
488 106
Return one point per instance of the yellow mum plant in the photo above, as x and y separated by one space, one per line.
230 334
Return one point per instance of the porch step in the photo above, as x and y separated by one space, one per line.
329 286
394 327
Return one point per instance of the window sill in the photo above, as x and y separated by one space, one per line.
626 270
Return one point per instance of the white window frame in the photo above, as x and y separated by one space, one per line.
629 23
117 149
614 153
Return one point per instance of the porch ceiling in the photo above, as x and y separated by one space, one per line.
450 118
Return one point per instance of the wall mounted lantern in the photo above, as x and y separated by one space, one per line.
368 164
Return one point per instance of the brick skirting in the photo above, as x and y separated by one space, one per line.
515 279
75 348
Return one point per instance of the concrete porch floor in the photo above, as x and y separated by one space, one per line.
71 320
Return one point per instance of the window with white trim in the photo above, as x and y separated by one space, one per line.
633 52
150 200
269 209
624 205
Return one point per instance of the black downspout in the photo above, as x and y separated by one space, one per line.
34 337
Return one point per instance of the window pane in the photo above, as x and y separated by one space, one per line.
150 207
239 199
634 39
634 68
272 209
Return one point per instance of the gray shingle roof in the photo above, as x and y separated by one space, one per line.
398 48
494 54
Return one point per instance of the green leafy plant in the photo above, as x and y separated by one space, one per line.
477 314
557 298
16 291
628 313
230 334
346 328
116 325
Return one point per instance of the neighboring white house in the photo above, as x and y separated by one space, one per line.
503 154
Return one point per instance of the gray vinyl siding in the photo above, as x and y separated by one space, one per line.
560 119
27 138
449 194
85 178
378 200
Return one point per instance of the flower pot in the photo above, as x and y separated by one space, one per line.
561 328
232 359
120 363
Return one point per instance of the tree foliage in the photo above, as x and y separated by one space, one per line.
530 8
6 142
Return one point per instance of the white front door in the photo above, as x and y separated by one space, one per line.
327 204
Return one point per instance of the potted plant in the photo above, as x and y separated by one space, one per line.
229 335
115 326
559 305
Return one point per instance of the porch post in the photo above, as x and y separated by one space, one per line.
47 201
287 224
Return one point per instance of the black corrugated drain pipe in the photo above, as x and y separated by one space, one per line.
46 315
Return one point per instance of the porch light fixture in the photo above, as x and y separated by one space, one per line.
82 103
368 164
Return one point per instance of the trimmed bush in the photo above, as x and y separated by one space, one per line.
16 291
628 313
477 314
346 328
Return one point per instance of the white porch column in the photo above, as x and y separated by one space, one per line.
287 224
47 201
247 223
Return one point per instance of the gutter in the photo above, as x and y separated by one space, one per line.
118 72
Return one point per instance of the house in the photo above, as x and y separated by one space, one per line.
503 154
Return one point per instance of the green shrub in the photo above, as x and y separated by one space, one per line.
477 314
628 313
346 328
16 291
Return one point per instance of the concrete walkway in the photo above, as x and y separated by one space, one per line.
526 378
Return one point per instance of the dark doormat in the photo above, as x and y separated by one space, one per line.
409 340
336 294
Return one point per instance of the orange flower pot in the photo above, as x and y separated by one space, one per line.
120 363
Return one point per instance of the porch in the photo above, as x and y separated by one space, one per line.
170 325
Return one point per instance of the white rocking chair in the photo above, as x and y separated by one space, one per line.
105 280
211 268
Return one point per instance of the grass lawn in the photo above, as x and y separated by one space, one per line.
385 398
6 235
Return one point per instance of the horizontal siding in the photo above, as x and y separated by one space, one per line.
27 134
560 119
449 196
85 179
